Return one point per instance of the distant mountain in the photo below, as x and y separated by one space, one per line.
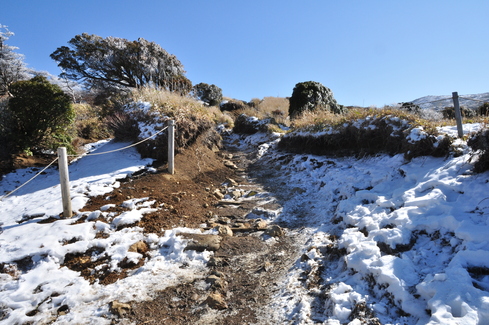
439 102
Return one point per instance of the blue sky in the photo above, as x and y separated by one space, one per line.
372 52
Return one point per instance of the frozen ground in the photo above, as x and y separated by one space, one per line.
403 242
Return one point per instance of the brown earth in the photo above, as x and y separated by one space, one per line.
244 270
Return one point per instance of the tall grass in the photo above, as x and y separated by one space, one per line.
179 107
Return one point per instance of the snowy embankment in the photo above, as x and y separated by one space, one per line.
401 242
34 284
404 242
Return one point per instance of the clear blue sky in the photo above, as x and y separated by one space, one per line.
372 52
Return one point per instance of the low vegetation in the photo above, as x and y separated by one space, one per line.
40 115
363 132
136 98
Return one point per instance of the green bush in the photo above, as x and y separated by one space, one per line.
40 111
209 94
310 96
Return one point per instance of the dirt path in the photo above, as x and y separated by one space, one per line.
246 268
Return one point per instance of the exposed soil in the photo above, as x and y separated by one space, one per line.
244 270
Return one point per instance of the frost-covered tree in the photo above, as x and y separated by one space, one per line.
311 96
209 94
116 62
12 66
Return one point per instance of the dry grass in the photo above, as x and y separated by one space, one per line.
88 122
364 131
318 121
179 107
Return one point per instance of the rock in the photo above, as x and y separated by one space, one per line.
212 279
218 261
231 182
118 308
217 282
227 156
267 266
217 193
250 125
230 164
275 231
236 194
200 242
139 247
224 230
259 224
216 301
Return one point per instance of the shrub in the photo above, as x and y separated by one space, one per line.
89 122
233 105
40 110
250 125
480 142
449 112
150 109
410 108
209 94
5 129
123 126
311 95
483 110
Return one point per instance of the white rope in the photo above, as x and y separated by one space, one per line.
475 100
90 154
11 192
127 147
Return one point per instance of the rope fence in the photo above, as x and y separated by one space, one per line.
18 188
63 165
450 98
475 100
120 149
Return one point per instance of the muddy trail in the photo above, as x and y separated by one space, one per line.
251 254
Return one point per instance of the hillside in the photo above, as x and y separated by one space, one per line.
472 101
248 235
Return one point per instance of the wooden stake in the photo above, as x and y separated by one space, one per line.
171 147
458 115
65 182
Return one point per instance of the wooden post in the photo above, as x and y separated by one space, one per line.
458 115
65 182
171 147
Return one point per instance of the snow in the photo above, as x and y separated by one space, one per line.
45 285
413 232
406 238
472 101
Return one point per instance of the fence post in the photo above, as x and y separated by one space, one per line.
458 115
65 182
171 146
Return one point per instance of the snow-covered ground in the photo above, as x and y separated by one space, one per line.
407 240
43 288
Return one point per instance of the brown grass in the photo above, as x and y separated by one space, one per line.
382 131
318 121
